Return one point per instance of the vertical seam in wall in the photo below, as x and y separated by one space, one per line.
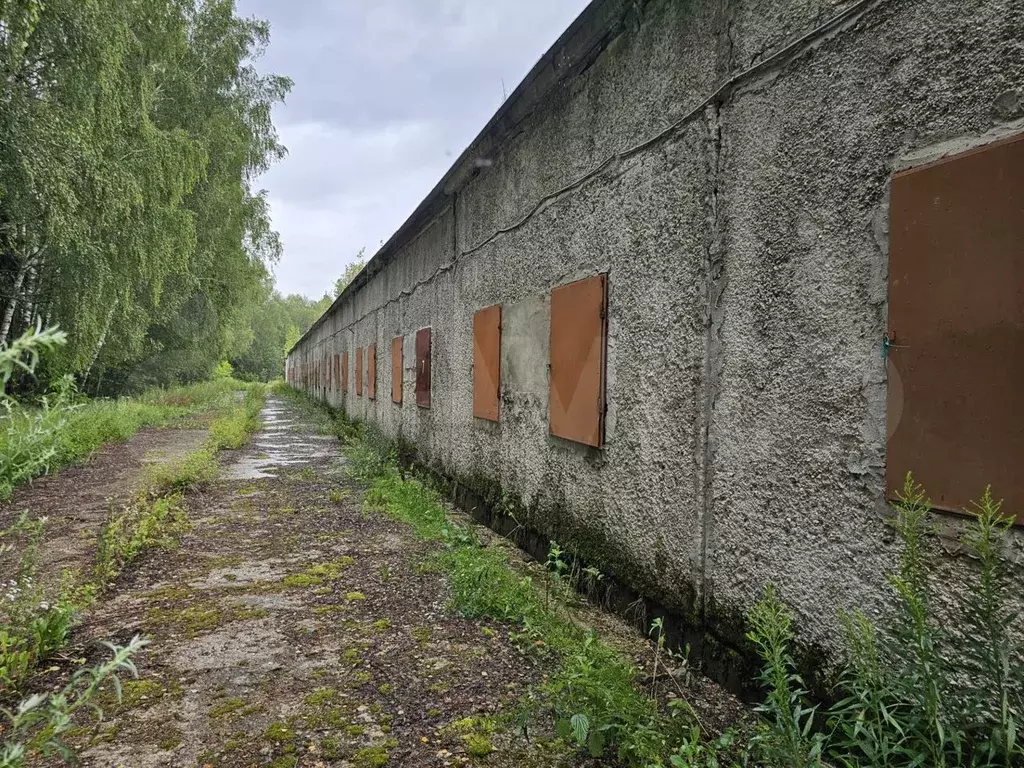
713 322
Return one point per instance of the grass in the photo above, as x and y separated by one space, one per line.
62 429
36 626
592 696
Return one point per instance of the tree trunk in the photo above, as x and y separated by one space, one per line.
12 305
99 344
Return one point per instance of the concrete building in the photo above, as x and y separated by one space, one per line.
718 403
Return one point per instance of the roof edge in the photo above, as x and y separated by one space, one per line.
573 52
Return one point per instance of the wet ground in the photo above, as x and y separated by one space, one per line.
293 628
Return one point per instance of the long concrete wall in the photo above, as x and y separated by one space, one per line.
727 163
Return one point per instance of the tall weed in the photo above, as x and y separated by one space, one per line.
788 738
33 627
36 727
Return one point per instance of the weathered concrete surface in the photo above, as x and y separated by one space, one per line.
727 163
297 625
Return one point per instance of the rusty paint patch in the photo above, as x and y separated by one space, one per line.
487 363
578 331
371 371
396 369
956 327
359 371
423 367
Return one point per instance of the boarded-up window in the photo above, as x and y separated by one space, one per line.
344 371
371 371
359 370
956 328
337 371
423 367
396 369
487 362
577 350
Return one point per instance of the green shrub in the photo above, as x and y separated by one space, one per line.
36 727
33 627
786 739
912 693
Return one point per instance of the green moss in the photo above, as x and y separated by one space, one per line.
422 635
135 693
301 580
170 740
360 679
202 615
355 596
382 625
233 708
321 696
478 745
332 749
279 733
374 757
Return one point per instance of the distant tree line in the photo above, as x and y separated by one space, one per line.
131 133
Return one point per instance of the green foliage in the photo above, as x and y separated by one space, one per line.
592 698
33 627
23 353
696 752
915 694
36 727
349 273
994 651
277 324
233 428
787 738
146 523
58 429
130 134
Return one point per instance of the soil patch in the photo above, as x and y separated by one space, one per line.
77 500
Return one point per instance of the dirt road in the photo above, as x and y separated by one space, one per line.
293 628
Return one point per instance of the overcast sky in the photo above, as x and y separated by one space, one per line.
387 95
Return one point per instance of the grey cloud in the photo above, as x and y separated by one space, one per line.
386 95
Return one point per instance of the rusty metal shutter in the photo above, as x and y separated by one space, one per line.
956 327
371 371
423 367
577 350
359 370
487 362
337 371
344 371
396 369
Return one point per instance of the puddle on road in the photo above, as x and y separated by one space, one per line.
281 443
